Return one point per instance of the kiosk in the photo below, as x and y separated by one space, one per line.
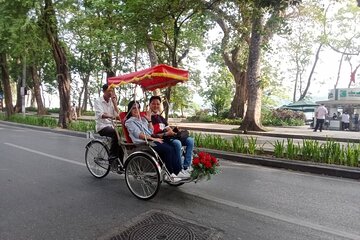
342 100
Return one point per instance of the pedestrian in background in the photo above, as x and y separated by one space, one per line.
345 121
320 115
73 112
356 122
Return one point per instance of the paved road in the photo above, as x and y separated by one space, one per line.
47 193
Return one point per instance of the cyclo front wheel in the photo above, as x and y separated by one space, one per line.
97 158
142 175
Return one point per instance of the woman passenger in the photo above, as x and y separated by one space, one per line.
140 128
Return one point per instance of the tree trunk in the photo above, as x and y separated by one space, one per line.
32 100
37 90
86 92
6 84
90 103
106 58
252 120
152 53
59 53
18 104
303 95
238 104
236 67
154 61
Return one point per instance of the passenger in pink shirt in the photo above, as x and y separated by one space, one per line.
320 114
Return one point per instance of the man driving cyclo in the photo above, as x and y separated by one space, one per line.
150 126
152 152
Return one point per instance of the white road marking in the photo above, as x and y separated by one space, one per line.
257 211
45 154
276 216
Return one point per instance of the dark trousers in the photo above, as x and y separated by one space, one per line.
344 125
319 124
168 155
115 149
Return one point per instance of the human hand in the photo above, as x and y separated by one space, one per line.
148 115
159 140
170 132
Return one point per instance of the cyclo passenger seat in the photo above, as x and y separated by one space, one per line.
123 119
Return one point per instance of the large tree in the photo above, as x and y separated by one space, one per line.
267 17
60 57
234 19
168 35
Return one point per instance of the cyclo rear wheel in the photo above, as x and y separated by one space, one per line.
97 158
142 175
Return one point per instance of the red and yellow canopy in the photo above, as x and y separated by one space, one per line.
160 76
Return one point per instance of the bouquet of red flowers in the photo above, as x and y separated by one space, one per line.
204 165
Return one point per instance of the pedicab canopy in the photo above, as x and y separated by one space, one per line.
160 76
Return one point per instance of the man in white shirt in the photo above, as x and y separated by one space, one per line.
320 114
345 121
105 110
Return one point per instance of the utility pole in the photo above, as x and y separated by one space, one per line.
22 91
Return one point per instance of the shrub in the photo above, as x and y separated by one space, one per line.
34 120
53 110
283 117
31 109
88 113
82 126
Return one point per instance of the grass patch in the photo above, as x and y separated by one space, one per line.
42 121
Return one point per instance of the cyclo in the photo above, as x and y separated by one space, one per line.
143 168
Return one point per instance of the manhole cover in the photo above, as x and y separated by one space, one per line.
163 231
163 226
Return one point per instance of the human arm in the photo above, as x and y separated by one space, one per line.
148 118
114 104
138 130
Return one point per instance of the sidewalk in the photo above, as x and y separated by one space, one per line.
296 132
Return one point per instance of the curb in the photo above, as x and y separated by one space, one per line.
317 168
46 129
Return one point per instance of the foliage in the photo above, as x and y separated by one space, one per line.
329 152
54 110
283 117
88 113
204 116
82 126
33 120
181 98
219 91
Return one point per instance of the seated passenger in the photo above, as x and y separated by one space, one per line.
162 129
140 128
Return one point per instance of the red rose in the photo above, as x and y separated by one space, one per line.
214 160
201 154
207 164
196 161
